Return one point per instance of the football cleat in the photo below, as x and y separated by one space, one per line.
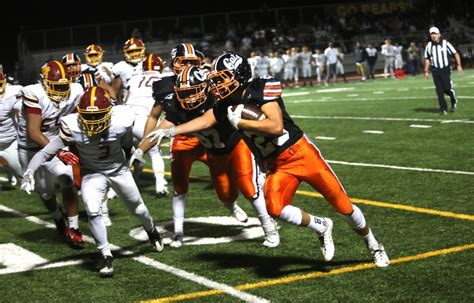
111 194
453 107
272 237
177 241
12 180
239 214
156 239
75 238
161 188
380 256
61 226
107 269
326 241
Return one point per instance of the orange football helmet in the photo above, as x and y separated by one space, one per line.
191 87
94 111
153 62
56 81
72 63
183 55
93 55
134 50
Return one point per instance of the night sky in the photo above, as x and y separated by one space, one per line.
33 15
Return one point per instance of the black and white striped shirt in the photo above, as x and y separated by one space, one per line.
437 53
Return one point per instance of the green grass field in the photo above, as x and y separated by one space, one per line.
412 174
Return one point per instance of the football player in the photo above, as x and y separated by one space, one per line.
134 54
231 164
284 150
140 99
185 150
72 63
103 137
9 110
95 64
43 105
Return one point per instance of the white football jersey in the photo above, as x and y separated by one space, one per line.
101 153
9 107
140 92
126 71
34 97
102 69
306 58
388 50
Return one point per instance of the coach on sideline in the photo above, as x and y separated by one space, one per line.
436 55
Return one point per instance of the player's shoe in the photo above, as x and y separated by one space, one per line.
326 241
177 241
272 236
156 239
161 188
107 269
239 214
12 180
75 238
61 226
380 256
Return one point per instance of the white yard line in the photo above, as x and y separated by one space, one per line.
324 138
150 262
322 99
375 132
380 119
457 172
420 126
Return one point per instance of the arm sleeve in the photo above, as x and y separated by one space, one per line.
451 48
47 153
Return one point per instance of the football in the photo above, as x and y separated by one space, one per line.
251 112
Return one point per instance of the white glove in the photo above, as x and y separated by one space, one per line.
28 182
136 156
235 115
161 133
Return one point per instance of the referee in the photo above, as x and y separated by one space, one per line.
436 55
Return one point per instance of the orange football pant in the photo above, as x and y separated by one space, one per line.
302 162
234 172
184 152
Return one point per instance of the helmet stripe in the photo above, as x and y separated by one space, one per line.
150 61
93 95
61 68
189 49
184 78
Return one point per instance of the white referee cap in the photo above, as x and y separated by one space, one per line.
434 29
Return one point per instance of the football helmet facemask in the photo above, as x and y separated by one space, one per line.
134 51
229 72
93 55
191 87
152 62
94 111
56 81
183 55
72 63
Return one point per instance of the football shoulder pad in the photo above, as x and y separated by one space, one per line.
264 89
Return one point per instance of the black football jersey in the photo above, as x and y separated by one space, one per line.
162 88
258 92
220 139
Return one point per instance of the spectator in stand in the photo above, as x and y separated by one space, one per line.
467 57
331 62
413 65
371 60
253 63
360 56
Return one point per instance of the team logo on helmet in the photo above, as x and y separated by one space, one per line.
232 62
